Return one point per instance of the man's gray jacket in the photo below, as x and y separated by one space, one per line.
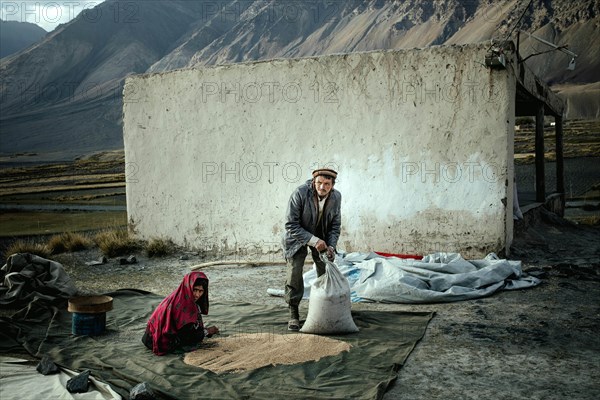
302 215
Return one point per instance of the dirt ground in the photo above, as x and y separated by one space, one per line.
537 343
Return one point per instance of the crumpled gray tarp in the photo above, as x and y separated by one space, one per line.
438 277
20 380
26 276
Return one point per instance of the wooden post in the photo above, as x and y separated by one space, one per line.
560 166
560 171
540 179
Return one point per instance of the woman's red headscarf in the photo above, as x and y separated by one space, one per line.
175 311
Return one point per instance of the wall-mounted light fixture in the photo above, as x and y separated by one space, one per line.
495 59
571 65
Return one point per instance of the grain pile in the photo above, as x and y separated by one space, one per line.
245 352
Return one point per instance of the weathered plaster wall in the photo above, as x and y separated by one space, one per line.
422 140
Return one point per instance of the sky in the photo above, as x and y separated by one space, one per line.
47 14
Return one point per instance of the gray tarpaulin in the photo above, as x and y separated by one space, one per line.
26 276
119 358
438 277
19 380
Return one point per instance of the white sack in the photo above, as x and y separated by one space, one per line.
329 307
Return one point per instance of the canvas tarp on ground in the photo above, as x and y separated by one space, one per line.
119 358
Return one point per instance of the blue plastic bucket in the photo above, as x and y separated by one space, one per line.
88 324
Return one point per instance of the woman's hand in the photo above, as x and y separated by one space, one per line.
212 330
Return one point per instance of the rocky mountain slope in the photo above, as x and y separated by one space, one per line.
15 36
62 97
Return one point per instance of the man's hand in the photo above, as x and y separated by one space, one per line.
330 253
321 246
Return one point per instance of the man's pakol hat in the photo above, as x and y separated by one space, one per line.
324 172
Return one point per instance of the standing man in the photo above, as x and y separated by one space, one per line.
313 219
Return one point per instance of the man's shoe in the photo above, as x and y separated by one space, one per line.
293 325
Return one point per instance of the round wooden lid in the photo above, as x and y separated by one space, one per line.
90 304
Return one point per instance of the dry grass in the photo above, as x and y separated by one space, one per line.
27 246
106 170
581 138
589 220
69 242
26 223
116 242
159 247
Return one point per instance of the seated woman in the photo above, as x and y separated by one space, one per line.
177 320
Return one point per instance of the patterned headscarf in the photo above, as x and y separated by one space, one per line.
177 310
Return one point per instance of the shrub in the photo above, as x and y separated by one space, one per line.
159 247
524 120
27 246
68 241
590 220
116 243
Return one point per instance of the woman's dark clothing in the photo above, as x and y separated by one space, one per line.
191 334
188 335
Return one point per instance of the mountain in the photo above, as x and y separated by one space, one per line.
15 36
62 96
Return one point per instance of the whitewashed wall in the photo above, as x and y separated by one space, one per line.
422 140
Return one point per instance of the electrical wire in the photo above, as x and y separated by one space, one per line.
516 24
541 52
